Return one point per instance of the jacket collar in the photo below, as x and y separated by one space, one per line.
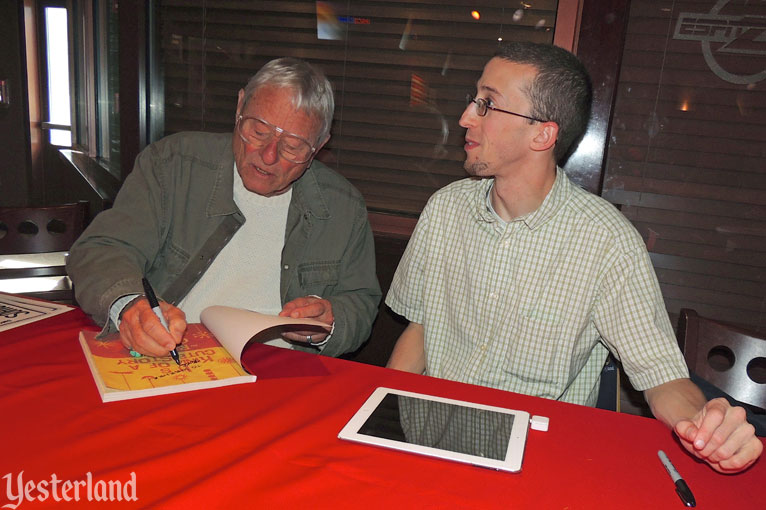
221 201
308 195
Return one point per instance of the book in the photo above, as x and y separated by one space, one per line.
210 353
18 311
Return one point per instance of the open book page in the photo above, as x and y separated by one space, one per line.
235 327
17 310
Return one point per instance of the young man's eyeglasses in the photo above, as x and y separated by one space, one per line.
483 105
257 132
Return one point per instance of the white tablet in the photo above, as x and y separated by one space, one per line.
487 436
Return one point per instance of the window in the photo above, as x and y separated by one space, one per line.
400 70
686 151
96 129
56 69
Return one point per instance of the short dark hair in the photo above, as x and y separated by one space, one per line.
561 92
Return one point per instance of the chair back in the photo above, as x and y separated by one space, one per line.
41 229
609 386
29 236
729 357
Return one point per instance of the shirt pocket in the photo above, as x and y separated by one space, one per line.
534 347
319 278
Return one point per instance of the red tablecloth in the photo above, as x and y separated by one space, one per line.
273 443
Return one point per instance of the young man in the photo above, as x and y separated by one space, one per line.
247 219
518 279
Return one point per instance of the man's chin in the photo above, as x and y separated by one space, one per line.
259 188
266 191
476 169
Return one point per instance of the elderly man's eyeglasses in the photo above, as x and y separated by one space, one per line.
483 105
258 133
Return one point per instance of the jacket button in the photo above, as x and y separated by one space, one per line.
286 267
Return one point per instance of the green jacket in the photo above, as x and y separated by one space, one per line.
176 211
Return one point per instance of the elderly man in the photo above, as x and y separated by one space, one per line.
518 279
248 219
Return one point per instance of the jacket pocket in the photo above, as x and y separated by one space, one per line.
175 259
319 278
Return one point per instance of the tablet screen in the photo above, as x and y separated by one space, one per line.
446 428
441 425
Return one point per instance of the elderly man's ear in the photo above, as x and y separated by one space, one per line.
240 99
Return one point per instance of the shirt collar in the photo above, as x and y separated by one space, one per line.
554 200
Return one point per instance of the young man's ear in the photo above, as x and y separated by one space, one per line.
546 136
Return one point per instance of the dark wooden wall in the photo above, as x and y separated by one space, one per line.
15 159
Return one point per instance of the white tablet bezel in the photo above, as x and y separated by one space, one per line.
513 457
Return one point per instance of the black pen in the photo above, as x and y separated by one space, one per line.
158 312
681 488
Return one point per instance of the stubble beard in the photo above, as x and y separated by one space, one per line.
476 168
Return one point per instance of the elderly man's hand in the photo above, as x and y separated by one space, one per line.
720 435
309 307
142 331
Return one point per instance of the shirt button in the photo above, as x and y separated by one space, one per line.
493 295
483 347
507 243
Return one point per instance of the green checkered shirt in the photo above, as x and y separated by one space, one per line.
531 306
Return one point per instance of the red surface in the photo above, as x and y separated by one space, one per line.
274 442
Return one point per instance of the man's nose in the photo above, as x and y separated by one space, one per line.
270 151
469 117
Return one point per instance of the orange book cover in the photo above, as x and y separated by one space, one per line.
205 363
210 355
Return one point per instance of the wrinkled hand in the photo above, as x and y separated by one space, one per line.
142 331
720 435
308 307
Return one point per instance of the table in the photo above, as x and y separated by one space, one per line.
273 443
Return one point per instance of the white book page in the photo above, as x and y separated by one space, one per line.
235 327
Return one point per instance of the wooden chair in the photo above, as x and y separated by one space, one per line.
25 231
728 357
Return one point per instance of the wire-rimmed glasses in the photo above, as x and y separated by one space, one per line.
483 105
257 132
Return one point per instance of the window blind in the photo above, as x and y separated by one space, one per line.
400 71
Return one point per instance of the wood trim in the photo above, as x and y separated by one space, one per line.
100 179
132 82
600 43
392 225
566 34
36 184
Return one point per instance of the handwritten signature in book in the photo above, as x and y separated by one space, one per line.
185 366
